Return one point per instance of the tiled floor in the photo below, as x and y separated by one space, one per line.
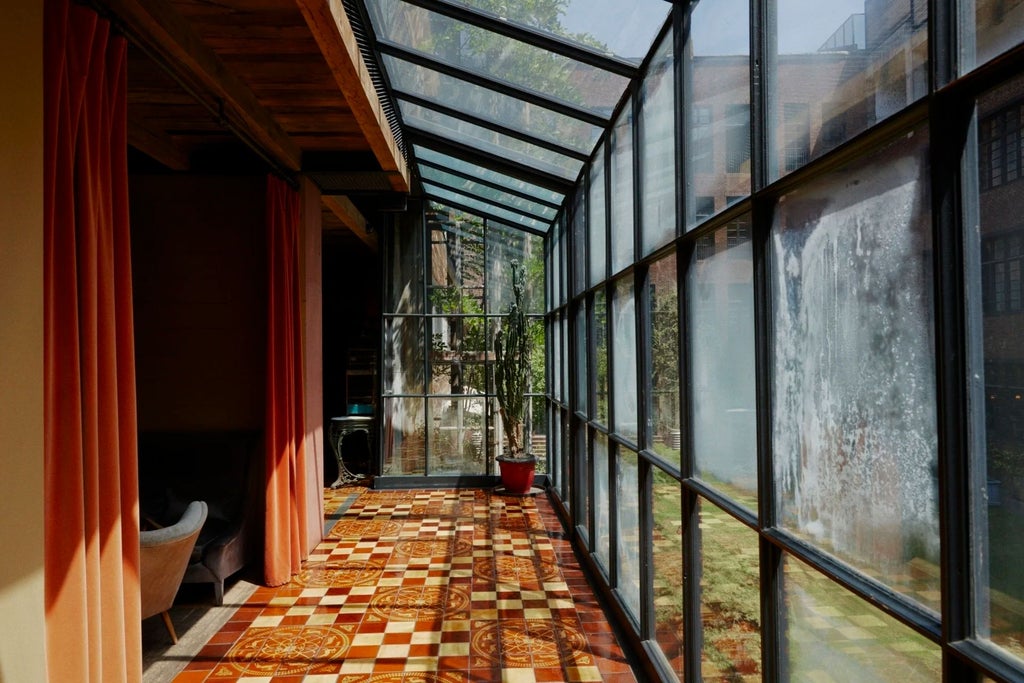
423 587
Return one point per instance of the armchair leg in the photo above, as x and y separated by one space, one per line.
170 626
218 592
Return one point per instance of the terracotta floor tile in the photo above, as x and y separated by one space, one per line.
460 585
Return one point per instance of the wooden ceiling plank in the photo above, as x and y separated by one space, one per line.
333 32
350 217
167 33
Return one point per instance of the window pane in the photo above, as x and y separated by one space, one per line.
489 141
598 221
601 344
602 540
504 245
625 29
490 105
664 435
579 244
624 358
494 211
557 360
658 150
730 598
720 310
403 288
404 436
479 50
833 635
457 438
487 194
404 355
667 545
989 28
457 264
622 191
854 422
717 79
582 483
852 63
508 182
627 515
998 256
582 358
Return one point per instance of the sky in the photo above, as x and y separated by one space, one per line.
629 27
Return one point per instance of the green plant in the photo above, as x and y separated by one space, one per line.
512 367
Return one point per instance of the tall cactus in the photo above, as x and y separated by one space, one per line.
512 364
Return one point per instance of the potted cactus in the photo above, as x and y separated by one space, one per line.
512 380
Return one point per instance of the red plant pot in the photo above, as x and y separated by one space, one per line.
517 475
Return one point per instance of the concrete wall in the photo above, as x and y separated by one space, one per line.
22 628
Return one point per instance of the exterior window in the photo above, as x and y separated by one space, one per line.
1001 263
1000 149
702 141
704 208
737 138
797 117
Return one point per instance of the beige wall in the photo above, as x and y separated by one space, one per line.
22 655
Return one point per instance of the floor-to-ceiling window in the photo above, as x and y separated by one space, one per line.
448 285
794 441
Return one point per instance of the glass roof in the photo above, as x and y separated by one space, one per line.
505 100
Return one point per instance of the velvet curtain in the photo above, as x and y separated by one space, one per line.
285 424
91 484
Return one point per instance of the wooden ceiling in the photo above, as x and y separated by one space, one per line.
221 84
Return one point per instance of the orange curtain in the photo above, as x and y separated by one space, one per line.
91 485
285 425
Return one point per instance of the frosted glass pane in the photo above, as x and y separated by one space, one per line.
658 150
602 542
854 421
457 440
624 359
627 514
598 223
720 308
622 191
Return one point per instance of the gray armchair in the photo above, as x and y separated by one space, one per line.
163 557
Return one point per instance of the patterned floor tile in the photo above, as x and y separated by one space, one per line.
447 586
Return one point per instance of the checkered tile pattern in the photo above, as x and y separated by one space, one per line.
446 586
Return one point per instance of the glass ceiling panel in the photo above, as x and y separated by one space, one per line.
491 105
483 173
486 193
623 29
484 52
473 204
491 142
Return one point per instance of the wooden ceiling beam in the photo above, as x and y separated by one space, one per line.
333 32
163 31
157 145
351 218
